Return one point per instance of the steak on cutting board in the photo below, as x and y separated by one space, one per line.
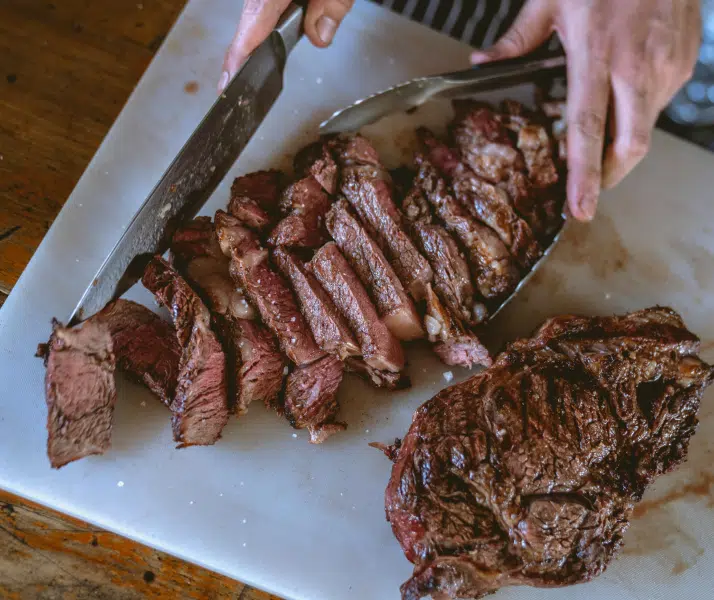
528 473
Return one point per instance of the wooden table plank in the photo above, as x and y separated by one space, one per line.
66 69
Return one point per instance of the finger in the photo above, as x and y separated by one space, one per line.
323 18
257 21
588 96
531 28
634 115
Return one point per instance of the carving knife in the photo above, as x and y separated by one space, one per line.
199 167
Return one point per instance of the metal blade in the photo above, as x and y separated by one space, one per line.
192 177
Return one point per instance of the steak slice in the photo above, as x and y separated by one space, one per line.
527 474
79 391
145 346
305 204
200 407
367 186
380 349
316 159
267 290
329 328
378 378
492 265
453 343
254 198
394 305
311 398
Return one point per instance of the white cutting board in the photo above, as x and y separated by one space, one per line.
263 506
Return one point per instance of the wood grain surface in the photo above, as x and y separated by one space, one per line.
66 69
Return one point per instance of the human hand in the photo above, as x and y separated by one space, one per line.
259 17
626 59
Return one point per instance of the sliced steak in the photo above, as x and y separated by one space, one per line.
311 398
453 343
329 328
380 349
378 378
317 160
200 406
79 391
254 199
367 186
305 204
394 305
145 346
267 291
528 473
484 142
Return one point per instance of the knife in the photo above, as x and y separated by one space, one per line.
199 167
458 84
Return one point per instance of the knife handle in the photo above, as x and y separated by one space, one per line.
289 30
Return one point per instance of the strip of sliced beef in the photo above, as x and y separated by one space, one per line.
254 199
394 305
380 349
254 361
79 391
378 378
484 142
145 346
480 495
317 160
453 343
311 398
367 186
267 290
304 204
491 264
200 406
329 328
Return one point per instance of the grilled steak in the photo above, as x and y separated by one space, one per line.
200 407
79 391
367 186
480 495
267 290
394 305
380 349
329 328
378 378
254 199
453 343
317 160
145 346
305 204
310 398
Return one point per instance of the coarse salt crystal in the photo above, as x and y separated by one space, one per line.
319 80
608 296
190 501
221 495
286 370
294 435
120 484
292 320
448 375
366 430
142 403
241 483
292 340
245 520
244 544
341 494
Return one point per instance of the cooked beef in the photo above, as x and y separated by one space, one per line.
380 349
394 305
484 142
304 204
491 205
453 343
493 267
79 391
254 199
145 346
200 406
556 112
376 377
317 160
367 186
267 290
528 473
311 398
329 328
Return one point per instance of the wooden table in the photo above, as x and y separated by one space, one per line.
66 69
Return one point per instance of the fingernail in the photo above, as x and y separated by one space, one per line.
586 207
223 81
478 56
326 28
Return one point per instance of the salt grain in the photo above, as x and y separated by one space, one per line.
608 296
245 521
448 375
120 484
142 403
319 80
341 494
286 370
221 495
366 430
241 483
292 320
244 544
294 435
190 501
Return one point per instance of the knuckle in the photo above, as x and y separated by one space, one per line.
513 41
639 142
589 123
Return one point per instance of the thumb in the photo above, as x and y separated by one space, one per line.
532 27
322 19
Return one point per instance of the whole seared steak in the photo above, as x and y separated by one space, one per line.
527 474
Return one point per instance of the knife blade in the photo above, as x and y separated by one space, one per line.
199 167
